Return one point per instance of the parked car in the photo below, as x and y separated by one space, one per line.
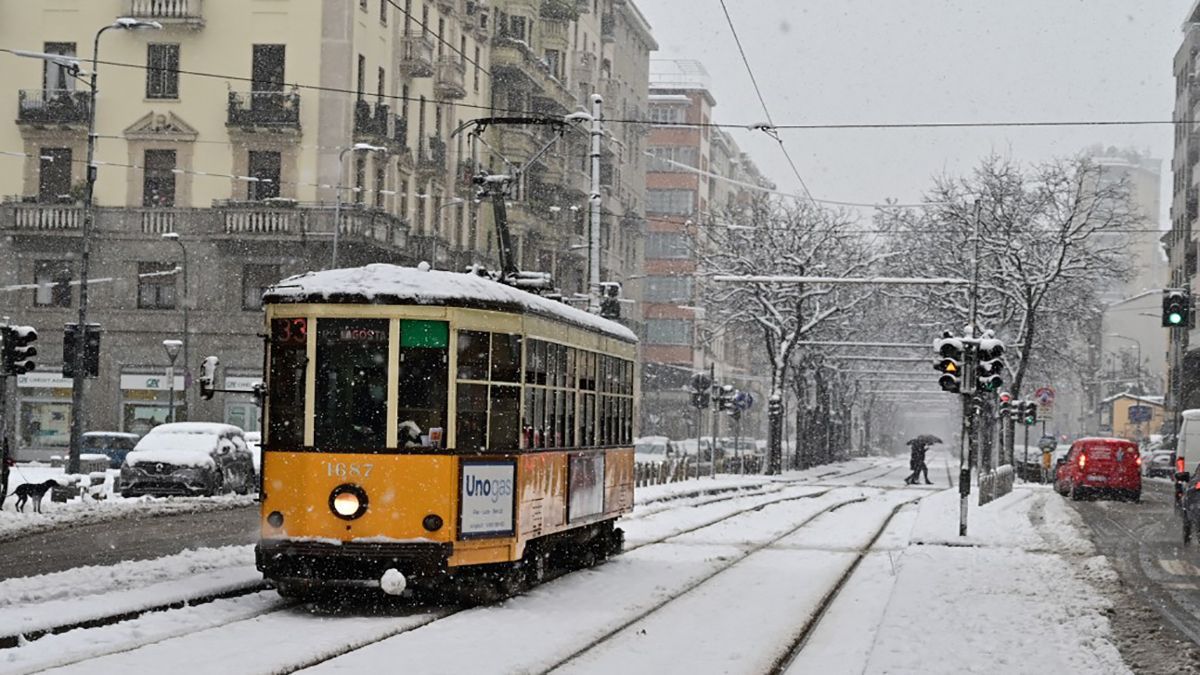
652 449
1159 464
254 442
1102 466
188 458
112 444
1187 467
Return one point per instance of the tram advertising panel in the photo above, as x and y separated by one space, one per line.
488 499
586 485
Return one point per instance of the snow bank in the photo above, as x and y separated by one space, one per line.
87 511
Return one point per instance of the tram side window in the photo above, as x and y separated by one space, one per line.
506 357
423 390
473 348
472 417
351 405
286 370
504 418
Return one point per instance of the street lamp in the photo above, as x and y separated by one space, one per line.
1139 356
77 383
337 209
187 300
172 348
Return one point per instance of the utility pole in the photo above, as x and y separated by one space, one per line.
594 203
964 455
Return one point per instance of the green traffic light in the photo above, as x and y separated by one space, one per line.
1175 318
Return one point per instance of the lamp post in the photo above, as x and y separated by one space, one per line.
1141 391
85 248
172 348
337 209
187 300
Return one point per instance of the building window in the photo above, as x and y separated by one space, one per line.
667 114
477 68
672 202
158 178
156 285
256 279
53 279
162 70
553 60
674 245
264 167
383 7
669 157
54 175
672 290
360 176
380 178
668 332
55 77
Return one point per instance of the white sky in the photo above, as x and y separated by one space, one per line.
866 61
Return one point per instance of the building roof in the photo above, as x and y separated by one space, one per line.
1152 400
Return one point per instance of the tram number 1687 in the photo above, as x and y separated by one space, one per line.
347 469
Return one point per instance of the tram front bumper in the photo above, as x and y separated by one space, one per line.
349 561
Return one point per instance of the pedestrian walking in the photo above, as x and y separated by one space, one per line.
916 463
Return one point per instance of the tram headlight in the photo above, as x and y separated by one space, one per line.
348 501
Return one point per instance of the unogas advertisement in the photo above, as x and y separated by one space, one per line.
486 502
587 486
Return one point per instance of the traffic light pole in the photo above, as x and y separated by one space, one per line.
964 458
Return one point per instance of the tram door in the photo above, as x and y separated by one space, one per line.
424 383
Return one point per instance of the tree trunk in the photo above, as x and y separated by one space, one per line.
1026 346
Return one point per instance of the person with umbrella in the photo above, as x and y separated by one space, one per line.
920 445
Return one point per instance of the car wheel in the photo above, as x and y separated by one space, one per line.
218 484
1135 496
1076 493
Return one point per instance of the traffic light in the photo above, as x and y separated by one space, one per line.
700 386
990 366
91 350
775 406
725 396
1006 404
950 362
1176 308
1028 413
18 349
610 302
208 377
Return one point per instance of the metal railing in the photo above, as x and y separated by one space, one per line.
179 10
53 106
264 109
371 121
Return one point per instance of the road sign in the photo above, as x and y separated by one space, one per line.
1044 396
1140 413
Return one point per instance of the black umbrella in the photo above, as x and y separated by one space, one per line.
925 439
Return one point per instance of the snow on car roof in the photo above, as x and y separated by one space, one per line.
209 428
110 434
380 283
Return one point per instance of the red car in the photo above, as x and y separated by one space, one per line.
1101 465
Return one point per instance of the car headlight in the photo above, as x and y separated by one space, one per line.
348 501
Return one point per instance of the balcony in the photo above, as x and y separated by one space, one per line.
451 77
399 138
53 107
371 122
416 54
447 6
284 219
264 110
430 249
559 10
431 161
182 13
41 218
514 63
583 68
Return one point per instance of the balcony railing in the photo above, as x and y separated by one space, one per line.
451 77
43 217
53 106
186 12
265 109
416 54
371 121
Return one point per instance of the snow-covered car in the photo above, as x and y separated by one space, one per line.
652 449
1159 464
112 444
188 458
254 442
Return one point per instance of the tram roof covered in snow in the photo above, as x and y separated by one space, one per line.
383 284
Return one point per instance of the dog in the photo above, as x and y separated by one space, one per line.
34 491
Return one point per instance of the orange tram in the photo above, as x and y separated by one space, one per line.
428 429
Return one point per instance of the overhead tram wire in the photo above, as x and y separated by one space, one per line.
702 125
761 99
425 28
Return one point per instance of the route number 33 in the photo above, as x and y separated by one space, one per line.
348 470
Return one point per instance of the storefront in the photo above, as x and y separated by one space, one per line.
145 400
242 410
43 415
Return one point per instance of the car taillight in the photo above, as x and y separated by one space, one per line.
1179 464
1082 461
1139 460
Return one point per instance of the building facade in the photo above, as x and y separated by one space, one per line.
265 138
688 188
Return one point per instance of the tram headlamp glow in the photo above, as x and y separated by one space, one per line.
348 502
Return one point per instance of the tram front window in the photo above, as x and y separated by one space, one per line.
352 383
285 405
423 390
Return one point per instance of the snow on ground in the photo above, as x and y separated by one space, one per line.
1018 595
87 511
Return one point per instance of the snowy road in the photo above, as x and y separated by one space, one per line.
813 573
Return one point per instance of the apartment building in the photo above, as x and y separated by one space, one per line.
232 128
689 183
548 59
1183 360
